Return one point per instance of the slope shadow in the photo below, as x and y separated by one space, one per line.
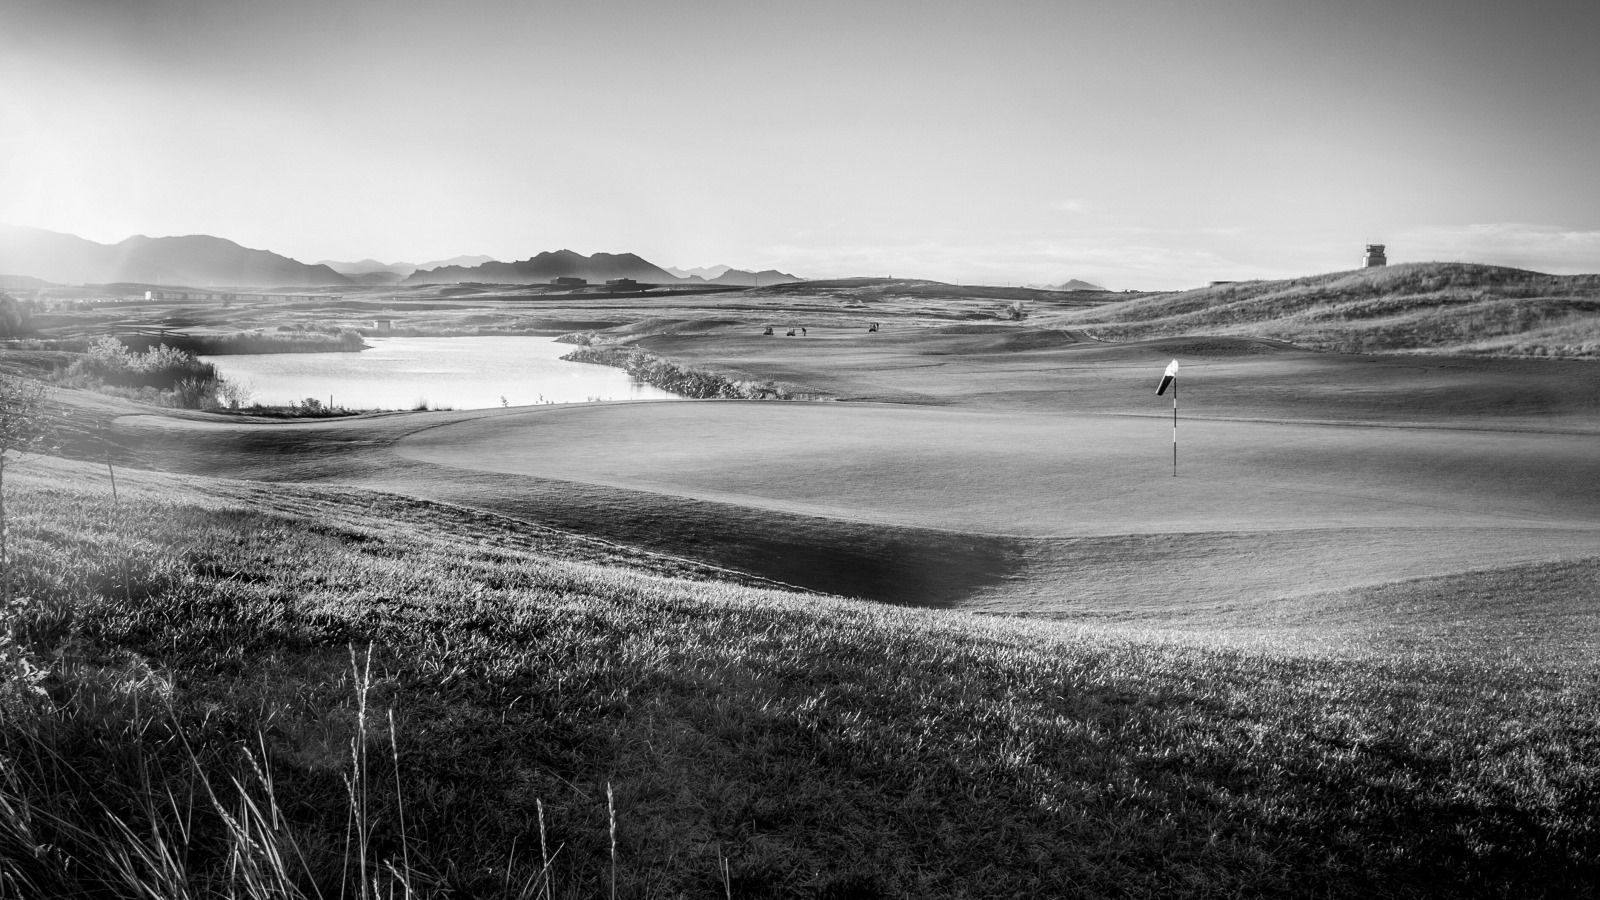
900 565
886 563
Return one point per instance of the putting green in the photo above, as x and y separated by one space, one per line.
1259 508
1039 476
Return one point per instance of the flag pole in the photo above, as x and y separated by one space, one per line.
1169 378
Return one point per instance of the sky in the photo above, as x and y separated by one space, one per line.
1136 144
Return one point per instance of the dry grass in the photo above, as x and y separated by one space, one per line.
1454 308
203 731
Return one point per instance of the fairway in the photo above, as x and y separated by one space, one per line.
1259 510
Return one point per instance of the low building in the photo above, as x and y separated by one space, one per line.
623 284
1375 256
567 281
193 295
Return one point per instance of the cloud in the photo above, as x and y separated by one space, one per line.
1542 248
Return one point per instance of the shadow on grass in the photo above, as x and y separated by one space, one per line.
885 563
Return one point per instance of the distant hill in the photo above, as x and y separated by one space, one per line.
728 275
750 279
369 267
1446 308
204 260
546 266
371 271
704 273
372 278
21 283
1073 285
476 260
198 260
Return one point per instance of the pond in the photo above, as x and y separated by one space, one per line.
441 373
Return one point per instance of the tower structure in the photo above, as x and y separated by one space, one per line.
1375 256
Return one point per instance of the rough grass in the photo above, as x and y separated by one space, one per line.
1545 613
1454 308
749 743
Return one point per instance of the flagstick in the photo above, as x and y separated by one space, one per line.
1169 378
1174 426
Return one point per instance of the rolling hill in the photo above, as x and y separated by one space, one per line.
1440 308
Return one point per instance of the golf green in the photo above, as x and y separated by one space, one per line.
1257 509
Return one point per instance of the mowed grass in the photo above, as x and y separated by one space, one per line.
745 742
1019 473
1081 512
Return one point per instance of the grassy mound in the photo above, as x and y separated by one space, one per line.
199 686
1455 308
875 290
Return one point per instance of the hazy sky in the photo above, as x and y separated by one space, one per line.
1135 143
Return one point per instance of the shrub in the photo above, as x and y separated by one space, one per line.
109 362
15 317
176 376
290 339
232 393
670 376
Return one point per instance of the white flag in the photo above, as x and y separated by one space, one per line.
1166 380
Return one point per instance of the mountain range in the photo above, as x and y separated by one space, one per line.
541 269
205 261
728 275
194 260
600 267
704 273
374 272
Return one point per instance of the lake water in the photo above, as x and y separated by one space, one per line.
454 372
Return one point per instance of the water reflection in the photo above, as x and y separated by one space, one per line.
454 373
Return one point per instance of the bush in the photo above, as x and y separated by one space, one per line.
15 317
669 376
175 376
302 339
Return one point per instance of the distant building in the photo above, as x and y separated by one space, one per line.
1375 256
567 281
622 284
193 295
